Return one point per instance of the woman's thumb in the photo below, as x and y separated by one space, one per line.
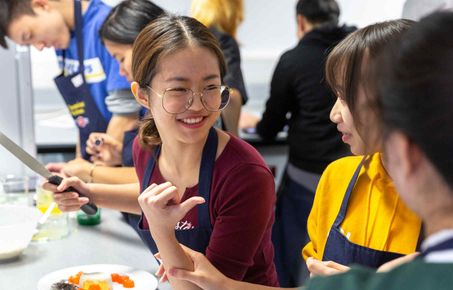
182 274
190 203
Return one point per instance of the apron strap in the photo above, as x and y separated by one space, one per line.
344 205
150 168
78 20
204 179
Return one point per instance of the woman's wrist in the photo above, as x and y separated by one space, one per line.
91 172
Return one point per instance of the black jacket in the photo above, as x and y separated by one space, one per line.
298 87
231 52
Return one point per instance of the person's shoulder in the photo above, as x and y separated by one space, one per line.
97 13
415 275
240 154
345 165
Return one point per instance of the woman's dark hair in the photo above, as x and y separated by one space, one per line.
127 19
415 89
163 36
345 64
319 11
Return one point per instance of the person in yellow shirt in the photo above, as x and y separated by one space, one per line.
357 215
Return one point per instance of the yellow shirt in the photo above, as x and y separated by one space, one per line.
376 216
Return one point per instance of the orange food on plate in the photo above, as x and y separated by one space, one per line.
100 281
128 283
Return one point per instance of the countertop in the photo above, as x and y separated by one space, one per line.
113 241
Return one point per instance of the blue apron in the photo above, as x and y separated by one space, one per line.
198 238
76 92
126 153
339 249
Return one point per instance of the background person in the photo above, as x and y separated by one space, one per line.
358 216
298 87
223 19
97 93
118 32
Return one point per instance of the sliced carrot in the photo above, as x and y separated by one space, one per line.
115 277
94 287
128 283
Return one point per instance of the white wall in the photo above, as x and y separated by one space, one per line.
269 29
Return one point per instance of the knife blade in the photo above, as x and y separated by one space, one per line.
89 208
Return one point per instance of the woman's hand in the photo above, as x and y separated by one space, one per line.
104 149
69 201
204 275
161 271
162 208
324 268
77 167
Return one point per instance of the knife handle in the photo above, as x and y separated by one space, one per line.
89 208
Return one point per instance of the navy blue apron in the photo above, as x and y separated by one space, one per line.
128 142
198 238
76 92
339 249
127 161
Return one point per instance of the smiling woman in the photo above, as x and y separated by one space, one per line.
179 67
182 161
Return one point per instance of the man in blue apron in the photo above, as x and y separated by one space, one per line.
90 82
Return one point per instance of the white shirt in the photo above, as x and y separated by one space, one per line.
416 9
444 256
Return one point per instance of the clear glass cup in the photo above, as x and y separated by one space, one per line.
17 190
57 224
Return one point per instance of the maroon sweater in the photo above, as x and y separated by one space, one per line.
241 210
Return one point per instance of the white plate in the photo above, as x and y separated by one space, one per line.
143 280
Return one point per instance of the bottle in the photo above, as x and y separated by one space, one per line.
89 220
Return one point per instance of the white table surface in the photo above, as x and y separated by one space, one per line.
113 241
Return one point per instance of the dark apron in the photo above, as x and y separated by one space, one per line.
127 161
198 238
76 92
339 249
128 142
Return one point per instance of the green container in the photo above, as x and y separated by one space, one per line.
89 220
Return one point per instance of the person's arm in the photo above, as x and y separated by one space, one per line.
119 124
234 80
122 197
232 112
207 277
162 208
311 249
90 172
279 102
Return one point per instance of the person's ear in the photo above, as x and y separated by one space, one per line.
300 25
140 95
407 155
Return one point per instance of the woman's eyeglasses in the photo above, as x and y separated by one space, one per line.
179 100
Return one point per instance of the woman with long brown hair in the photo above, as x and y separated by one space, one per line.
183 162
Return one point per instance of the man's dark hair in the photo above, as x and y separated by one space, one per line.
319 11
10 10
